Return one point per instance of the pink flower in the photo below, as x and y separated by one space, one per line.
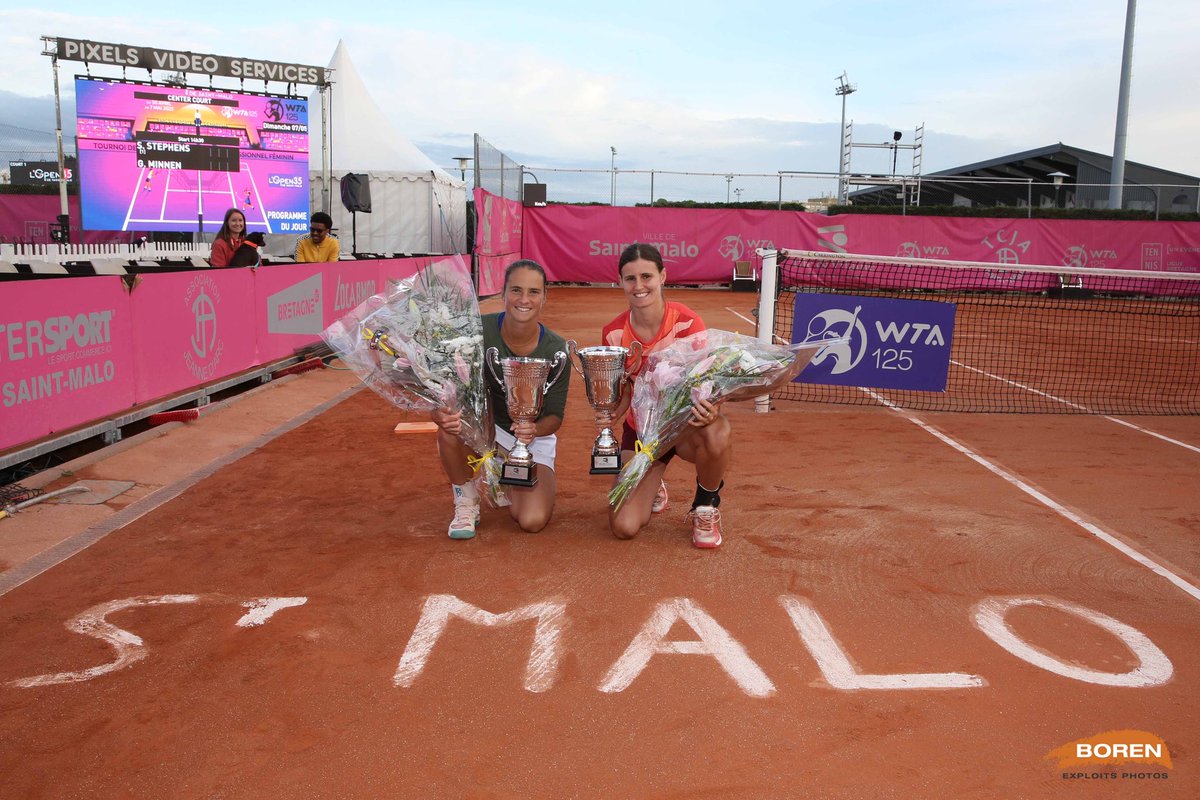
703 365
665 375
702 392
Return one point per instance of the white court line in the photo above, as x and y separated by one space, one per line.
132 200
755 324
162 212
258 199
1085 409
1053 505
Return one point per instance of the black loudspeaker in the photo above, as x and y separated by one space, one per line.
534 194
356 192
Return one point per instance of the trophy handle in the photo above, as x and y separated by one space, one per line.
635 350
492 357
573 356
560 361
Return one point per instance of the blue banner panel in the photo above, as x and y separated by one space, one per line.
892 344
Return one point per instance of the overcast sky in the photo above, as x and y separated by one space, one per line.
701 86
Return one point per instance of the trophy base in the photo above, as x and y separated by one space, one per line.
606 465
519 475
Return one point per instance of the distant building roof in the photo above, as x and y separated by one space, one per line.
1024 178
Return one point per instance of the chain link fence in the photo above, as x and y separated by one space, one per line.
495 172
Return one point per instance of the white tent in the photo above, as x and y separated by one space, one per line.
415 206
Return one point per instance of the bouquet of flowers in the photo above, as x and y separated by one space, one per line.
421 347
712 365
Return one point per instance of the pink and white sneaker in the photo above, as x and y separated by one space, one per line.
706 527
661 500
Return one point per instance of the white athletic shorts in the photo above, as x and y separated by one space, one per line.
543 448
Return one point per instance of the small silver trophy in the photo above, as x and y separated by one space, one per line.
525 387
603 371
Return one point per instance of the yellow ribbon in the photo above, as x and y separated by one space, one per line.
475 462
643 449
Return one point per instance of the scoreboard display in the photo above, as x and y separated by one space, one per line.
165 158
198 153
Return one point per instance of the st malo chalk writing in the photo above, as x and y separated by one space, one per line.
711 640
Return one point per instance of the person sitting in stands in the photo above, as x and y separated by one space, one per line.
320 244
229 238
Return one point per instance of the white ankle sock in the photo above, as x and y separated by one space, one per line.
465 491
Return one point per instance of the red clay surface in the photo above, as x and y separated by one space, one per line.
891 535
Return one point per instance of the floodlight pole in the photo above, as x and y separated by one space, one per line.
63 209
613 196
728 183
326 147
1115 191
842 90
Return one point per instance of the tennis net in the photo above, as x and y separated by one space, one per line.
1025 339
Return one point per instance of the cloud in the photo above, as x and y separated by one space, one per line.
1009 76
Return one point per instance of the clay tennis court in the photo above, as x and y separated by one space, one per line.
294 622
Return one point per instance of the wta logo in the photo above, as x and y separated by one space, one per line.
841 329
1113 755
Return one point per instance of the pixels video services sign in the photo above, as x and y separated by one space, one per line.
151 58
883 343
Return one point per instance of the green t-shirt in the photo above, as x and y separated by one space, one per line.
555 403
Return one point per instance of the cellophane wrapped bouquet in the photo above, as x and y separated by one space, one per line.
421 347
712 365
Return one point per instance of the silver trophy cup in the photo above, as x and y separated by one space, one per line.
525 388
603 371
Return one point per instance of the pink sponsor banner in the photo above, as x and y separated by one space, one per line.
295 302
582 243
1097 244
499 236
66 355
394 270
191 328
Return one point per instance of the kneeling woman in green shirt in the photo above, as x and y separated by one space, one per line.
514 332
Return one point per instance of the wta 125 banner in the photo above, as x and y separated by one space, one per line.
160 158
881 342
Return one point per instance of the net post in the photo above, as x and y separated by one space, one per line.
766 311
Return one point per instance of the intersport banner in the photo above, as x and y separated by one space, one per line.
81 350
66 355
583 243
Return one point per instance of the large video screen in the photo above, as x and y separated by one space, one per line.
161 158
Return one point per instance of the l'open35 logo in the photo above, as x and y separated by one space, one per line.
1114 755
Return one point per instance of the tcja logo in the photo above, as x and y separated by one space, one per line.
202 298
842 329
1006 246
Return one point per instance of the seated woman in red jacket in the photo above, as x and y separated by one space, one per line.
229 238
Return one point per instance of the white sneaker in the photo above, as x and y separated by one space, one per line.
661 500
466 517
706 527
